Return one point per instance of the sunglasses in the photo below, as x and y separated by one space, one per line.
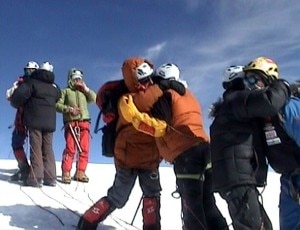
144 80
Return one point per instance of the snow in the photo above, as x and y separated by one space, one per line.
59 207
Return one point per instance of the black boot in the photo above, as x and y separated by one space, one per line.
20 175
17 176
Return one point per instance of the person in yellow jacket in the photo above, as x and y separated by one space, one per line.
73 104
136 155
182 141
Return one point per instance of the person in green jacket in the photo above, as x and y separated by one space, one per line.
73 104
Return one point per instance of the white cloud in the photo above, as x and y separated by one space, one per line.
155 50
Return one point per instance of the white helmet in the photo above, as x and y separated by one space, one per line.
75 73
31 65
168 71
233 72
143 71
47 66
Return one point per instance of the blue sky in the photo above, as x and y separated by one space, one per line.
203 37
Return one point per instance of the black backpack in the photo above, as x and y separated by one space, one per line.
107 100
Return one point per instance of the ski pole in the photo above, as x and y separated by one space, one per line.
136 210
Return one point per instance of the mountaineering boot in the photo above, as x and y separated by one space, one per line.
22 173
17 176
80 176
66 178
95 214
151 213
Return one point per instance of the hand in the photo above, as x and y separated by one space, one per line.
80 85
74 111
295 89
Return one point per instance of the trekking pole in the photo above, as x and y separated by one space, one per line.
75 139
136 210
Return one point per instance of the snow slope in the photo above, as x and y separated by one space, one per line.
59 207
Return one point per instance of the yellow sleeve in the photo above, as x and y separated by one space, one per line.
141 121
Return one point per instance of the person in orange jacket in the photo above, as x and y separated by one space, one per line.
183 142
136 155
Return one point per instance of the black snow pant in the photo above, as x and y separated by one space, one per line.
245 209
194 183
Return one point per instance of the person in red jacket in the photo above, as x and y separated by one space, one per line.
19 133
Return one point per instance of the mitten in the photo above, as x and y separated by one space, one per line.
11 90
127 108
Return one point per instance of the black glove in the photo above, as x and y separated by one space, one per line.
171 84
83 225
295 89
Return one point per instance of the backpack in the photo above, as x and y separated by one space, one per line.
291 117
107 101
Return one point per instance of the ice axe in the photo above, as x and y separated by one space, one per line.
75 139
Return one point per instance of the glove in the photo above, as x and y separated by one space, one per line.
141 121
11 90
295 89
80 85
172 84
74 111
83 224
128 108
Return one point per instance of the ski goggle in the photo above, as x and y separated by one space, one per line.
252 78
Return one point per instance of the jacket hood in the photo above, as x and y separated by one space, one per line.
43 75
73 71
129 72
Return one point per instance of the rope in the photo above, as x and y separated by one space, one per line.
43 208
118 220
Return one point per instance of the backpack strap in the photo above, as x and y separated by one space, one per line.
97 129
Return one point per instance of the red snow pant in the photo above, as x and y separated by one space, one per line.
82 133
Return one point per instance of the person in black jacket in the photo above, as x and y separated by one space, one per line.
38 95
283 141
238 147
19 133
